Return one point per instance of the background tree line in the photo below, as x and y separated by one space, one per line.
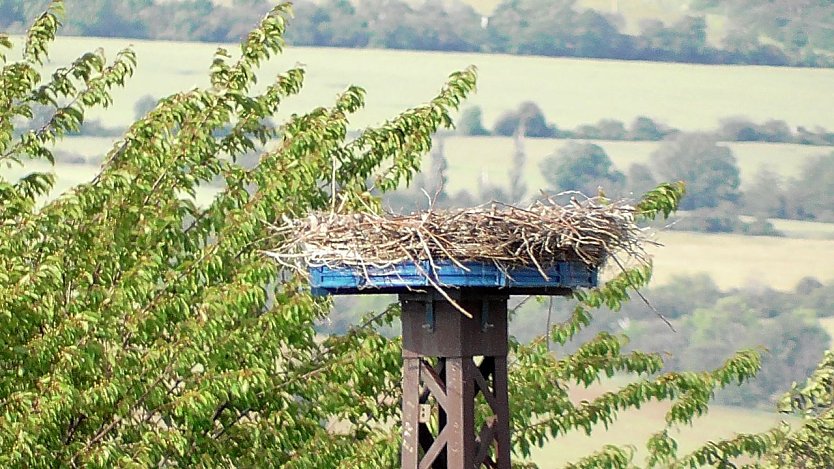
470 122
528 27
642 128
714 202
715 196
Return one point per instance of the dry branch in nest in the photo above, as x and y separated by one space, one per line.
506 236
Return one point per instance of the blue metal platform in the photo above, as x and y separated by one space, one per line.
562 277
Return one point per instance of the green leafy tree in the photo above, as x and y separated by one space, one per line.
538 27
605 129
766 196
699 290
644 128
811 195
810 445
149 331
528 117
818 299
332 23
470 122
807 285
115 20
583 167
794 341
709 170
140 329
743 130
611 129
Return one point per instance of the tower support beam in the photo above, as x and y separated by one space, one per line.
455 409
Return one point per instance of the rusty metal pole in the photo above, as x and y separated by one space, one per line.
443 374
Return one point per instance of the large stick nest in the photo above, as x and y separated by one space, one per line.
537 236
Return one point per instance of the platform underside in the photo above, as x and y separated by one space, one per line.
561 278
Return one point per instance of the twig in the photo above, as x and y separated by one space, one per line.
549 317
441 290
645 300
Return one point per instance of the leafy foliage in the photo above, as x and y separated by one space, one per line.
810 195
801 27
139 329
810 446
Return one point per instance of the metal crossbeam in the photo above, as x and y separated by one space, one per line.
442 381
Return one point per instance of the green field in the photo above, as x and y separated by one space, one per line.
634 427
804 229
570 91
736 261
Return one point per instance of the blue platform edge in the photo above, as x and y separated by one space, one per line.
407 276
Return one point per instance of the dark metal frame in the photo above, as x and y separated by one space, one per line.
442 380
442 377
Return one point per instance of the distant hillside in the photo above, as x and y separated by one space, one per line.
801 28
631 10
647 30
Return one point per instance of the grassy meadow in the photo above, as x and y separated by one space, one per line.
570 91
736 261
472 159
804 229
634 427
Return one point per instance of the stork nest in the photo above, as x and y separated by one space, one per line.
506 236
